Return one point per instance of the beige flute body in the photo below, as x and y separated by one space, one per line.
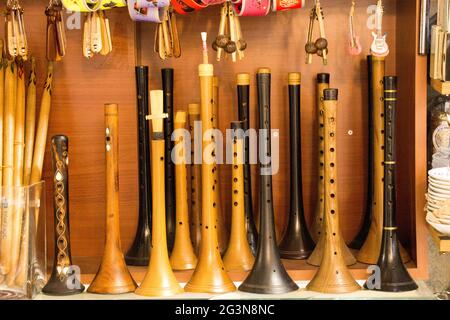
239 256
159 279
2 105
8 163
183 255
196 183
30 129
318 217
30 123
113 276
209 275
19 132
222 230
333 275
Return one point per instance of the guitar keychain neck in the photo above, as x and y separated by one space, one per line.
379 47
355 46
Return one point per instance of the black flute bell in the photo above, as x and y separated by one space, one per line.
394 275
268 274
63 280
297 242
139 252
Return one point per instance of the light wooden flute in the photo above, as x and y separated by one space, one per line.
183 256
159 279
222 230
8 162
209 275
239 256
30 123
113 276
18 172
333 276
196 183
2 105
323 82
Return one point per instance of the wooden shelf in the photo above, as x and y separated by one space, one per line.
442 241
443 87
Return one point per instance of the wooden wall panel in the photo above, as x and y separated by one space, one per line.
277 41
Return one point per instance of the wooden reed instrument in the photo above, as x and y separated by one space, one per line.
297 242
30 123
59 283
159 279
333 275
196 183
370 250
268 274
139 252
19 136
394 276
8 169
113 276
183 255
239 256
359 239
222 228
210 274
2 107
243 93
323 82
169 169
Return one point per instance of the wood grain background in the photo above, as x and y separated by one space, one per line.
81 87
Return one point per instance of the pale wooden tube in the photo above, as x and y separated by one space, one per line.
42 127
30 123
8 162
323 82
239 256
18 172
222 228
196 183
112 276
333 275
30 127
183 256
209 275
2 105
159 279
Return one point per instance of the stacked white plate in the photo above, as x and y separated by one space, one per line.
438 197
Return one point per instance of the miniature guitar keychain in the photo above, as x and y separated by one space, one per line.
379 45
355 46
167 42
56 35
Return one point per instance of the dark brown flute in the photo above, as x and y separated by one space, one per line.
61 283
243 91
167 86
268 274
394 275
297 242
139 253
